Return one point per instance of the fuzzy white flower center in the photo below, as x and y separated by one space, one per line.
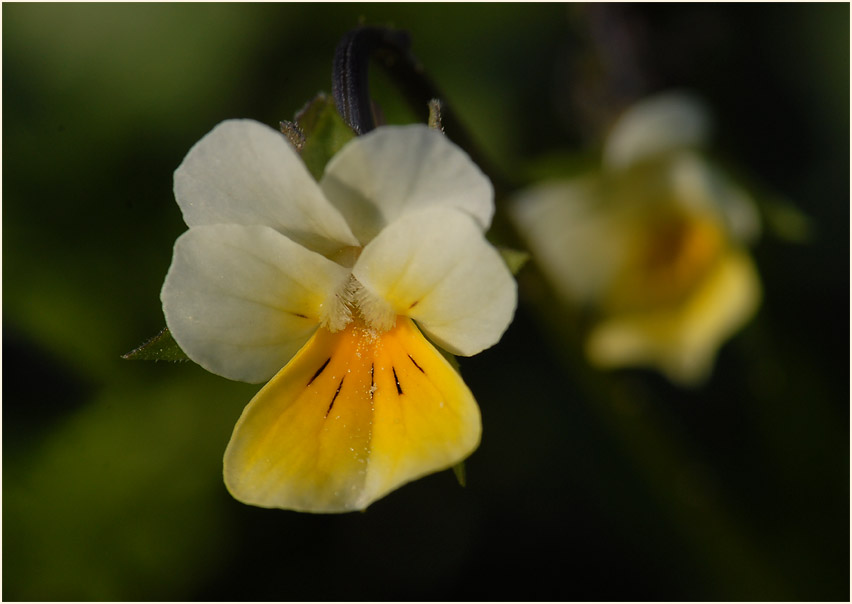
354 302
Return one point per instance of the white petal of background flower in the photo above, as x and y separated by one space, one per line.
696 180
571 235
657 125
393 170
436 267
241 300
243 172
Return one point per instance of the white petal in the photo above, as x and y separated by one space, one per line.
655 126
244 172
570 231
242 300
436 267
378 177
697 183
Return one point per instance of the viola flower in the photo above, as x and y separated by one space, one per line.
326 290
652 247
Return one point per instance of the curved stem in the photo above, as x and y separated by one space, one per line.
349 84
391 50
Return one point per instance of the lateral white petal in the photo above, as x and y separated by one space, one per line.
393 170
436 267
657 125
696 182
244 172
572 235
241 300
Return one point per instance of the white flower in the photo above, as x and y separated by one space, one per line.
323 280
653 245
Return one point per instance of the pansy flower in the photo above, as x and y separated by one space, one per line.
336 293
653 246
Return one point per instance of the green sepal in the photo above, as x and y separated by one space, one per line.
460 473
317 133
435 122
450 357
162 347
786 221
514 259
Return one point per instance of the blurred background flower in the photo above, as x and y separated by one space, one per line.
650 245
112 484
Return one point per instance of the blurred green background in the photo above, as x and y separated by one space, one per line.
587 485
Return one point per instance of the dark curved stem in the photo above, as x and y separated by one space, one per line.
350 82
391 50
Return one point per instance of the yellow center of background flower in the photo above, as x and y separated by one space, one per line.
665 260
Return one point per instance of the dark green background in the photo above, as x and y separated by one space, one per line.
586 486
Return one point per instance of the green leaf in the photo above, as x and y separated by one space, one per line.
514 259
461 473
162 347
318 133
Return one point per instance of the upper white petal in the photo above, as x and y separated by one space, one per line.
244 172
655 126
241 300
436 267
378 177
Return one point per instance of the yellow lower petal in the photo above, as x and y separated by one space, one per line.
354 415
682 341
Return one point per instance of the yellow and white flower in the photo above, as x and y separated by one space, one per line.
334 282
652 245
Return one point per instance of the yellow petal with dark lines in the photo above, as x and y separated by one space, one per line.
354 415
